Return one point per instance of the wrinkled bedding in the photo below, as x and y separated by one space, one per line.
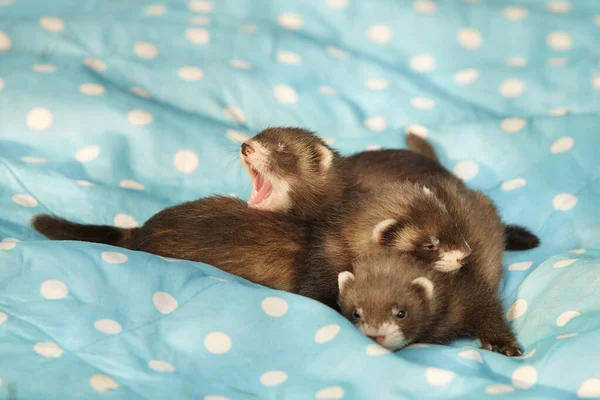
112 110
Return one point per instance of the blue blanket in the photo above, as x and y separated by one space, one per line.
112 110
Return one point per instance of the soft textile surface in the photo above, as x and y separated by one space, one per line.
112 110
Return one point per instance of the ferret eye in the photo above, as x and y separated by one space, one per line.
429 246
401 314
356 314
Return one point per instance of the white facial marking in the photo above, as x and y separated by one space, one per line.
380 228
344 278
393 338
326 157
450 261
280 146
426 284
258 147
435 241
427 191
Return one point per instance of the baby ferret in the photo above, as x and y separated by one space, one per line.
396 299
370 169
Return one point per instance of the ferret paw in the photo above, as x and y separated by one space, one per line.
508 347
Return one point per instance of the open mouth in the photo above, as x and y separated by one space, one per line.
261 189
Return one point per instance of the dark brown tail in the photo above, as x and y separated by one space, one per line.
519 238
419 145
60 229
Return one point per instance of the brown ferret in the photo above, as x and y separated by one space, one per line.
368 170
396 299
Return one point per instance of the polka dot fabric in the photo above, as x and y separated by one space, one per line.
111 111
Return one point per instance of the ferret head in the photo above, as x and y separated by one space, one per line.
292 170
389 297
409 217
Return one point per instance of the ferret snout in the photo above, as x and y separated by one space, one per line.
247 149
378 339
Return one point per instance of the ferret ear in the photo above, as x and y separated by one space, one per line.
326 157
383 232
425 285
345 278
427 191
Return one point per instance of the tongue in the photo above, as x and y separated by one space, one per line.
262 190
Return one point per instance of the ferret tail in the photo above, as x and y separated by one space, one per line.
419 145
60 229
519 238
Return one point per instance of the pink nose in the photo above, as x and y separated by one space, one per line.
463 261
378 339
247 149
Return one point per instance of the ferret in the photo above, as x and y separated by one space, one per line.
368 170
396 299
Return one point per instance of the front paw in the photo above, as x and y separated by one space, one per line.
508 347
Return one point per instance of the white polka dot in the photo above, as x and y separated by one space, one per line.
520 266
25 200
466 76
524 377
559 112
512 88
561 145
438 376
125 221
471 355
416 129
139 117
564 263
274 306
422 103
558 6
145 50
108 326
103 383
422 63
515 13
189 73
376 350
185 161
589 389
285 94
577 251
332 392
528 355
8 243
337 52
54 289
290 21
155 10
200 20
560 41
240 64
375 123
417 346
3 317
95 64
337 3
379 33
512 125
558 61
33 160
499 389
376 84
5 42
214 397
237 136
249 28
327 333
514 184
164 302
39 119
466 170
565 317
288 57
52 24
161 366
564 201
6 3
129 184
516 62
200 6
92 89
87 154
48 349
469 38
273 378
217 343
197 36
235 114
327 90
596 81
424 6
140 92
83 183
113 257
373 147
567 335
44 68
516 310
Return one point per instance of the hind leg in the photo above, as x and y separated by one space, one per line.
494 333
